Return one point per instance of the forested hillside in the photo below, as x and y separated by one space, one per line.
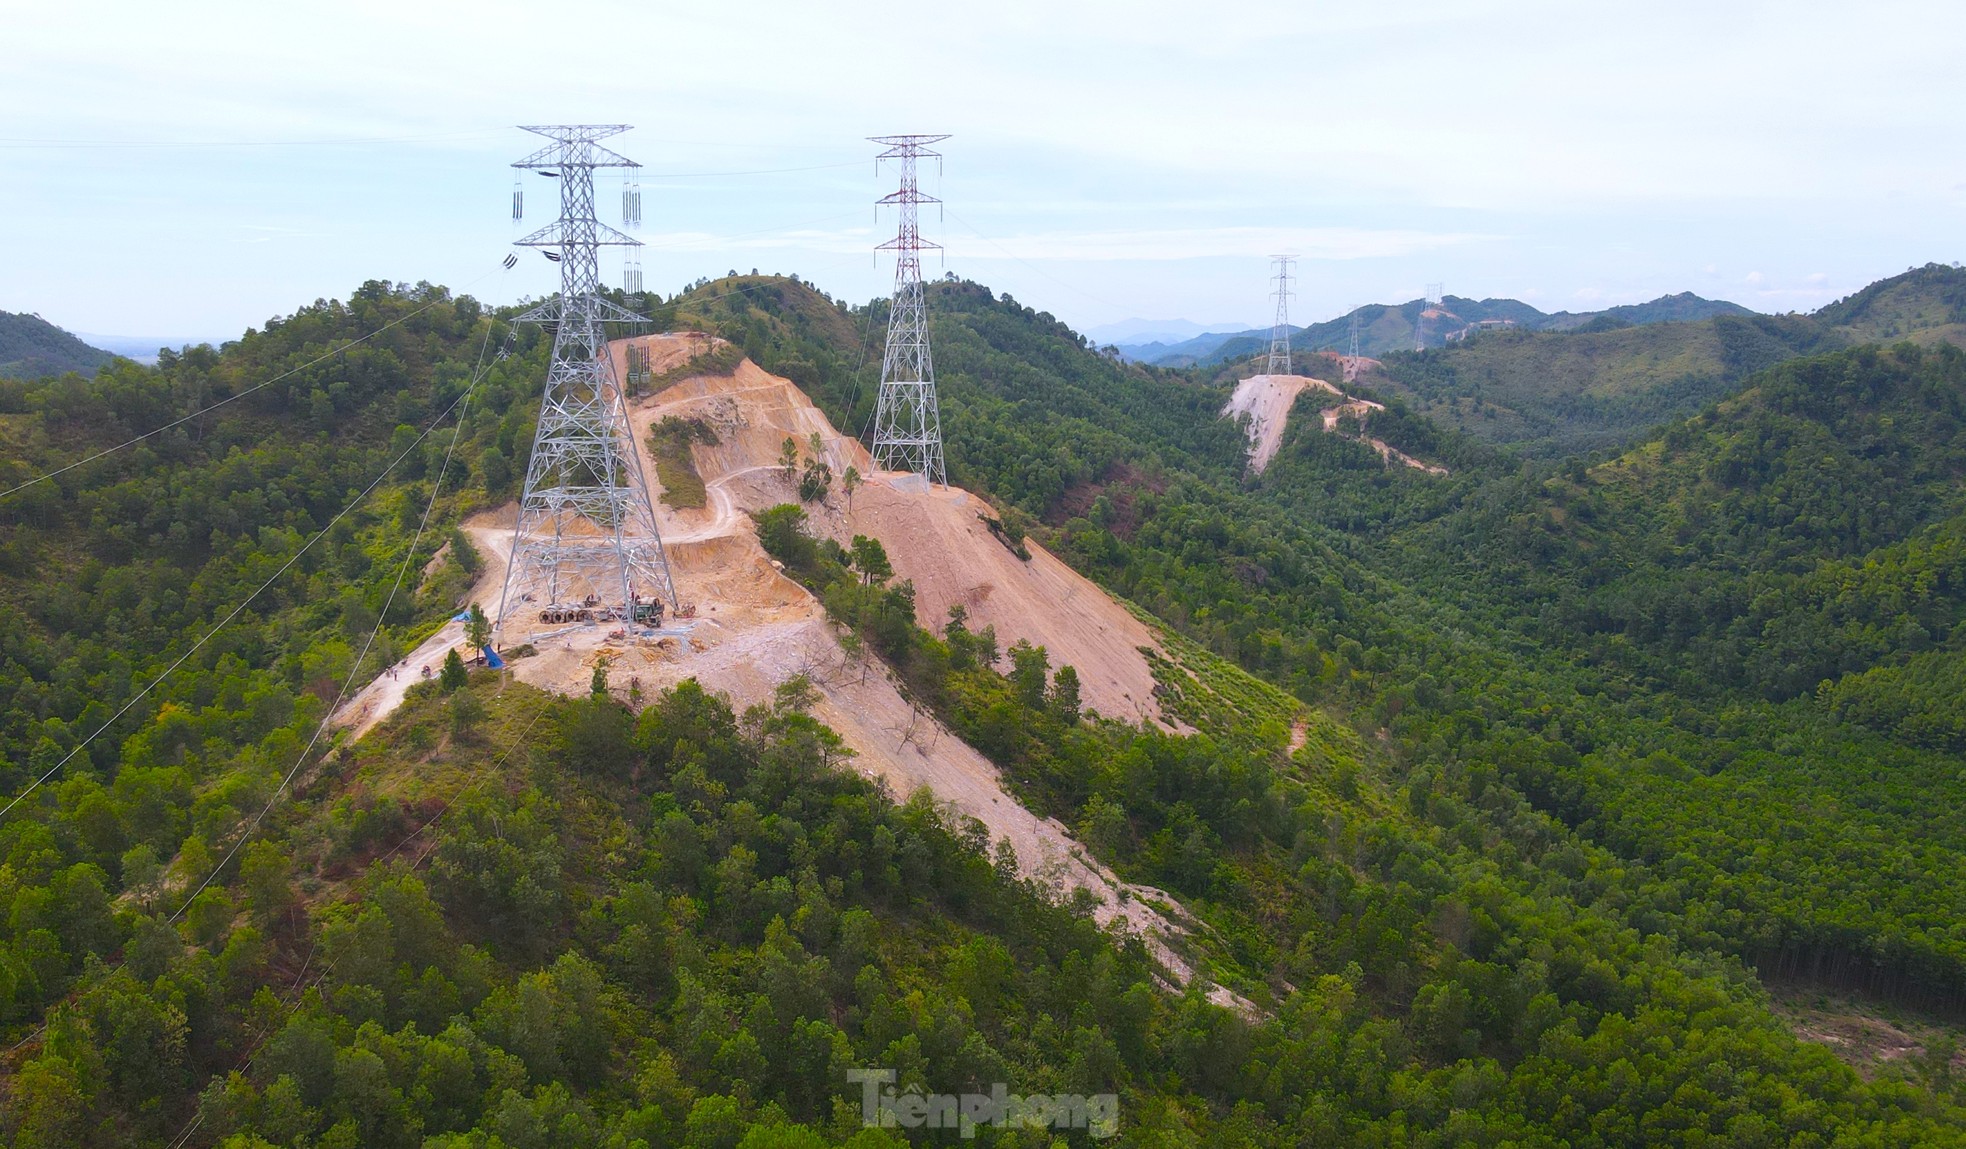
1684 307
1568 384
1384 329
1557 394
1381 617
1485 875
1925 304
31 347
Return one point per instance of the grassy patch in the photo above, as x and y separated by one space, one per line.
675 467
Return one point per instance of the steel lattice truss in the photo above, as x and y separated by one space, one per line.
586 548
907 423
1280 332
1351 361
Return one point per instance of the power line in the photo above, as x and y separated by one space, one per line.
463 407
349 141
299 994
287 374
1034 267
236 611
408 557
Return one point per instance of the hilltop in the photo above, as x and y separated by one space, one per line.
1550 385
31 347
1925 305
1685 307
1588 383
1406 326
1591 387
1466 880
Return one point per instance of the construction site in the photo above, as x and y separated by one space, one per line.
1264 401
600 573
582 584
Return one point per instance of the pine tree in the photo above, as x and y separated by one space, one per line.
477 629
453 677
1064 698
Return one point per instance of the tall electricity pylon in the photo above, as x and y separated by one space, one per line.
1435 294
586 548
907 422
1280 333
1351 361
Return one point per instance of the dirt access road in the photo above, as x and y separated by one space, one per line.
1267 400
491 534
754 628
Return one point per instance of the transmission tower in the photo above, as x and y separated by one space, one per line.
586 548
1434 297
907 423
1351 361
1280 333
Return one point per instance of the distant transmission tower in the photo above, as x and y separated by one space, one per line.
1280 332
586 548
907 422
1351 361
1434 296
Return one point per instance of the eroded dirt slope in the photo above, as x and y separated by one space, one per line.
1266 401
754 628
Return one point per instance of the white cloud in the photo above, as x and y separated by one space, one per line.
1435 136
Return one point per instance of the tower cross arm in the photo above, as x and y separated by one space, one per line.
553 235
552 311
586 548
554 156
907 145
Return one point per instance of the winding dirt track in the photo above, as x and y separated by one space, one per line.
754 628
1267 400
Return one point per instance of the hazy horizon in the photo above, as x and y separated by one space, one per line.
195 178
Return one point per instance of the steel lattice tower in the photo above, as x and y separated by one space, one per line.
586 548
1351 361
1280 332
907 423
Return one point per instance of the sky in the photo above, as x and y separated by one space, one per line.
186 171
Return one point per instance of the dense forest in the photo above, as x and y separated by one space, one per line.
31 347
1560 386
1593 750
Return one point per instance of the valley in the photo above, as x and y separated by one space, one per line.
1380 799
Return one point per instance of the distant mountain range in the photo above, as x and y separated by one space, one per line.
31 347
1131 332
1581 383
1413 325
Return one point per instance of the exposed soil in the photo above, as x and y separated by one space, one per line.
1361 410
1267 400
1866 1034
754 628
491 534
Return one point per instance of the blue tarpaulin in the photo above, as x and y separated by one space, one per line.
492 659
